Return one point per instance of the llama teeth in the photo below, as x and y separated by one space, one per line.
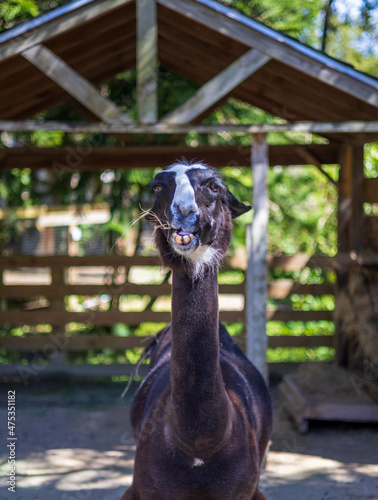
183 239
178 239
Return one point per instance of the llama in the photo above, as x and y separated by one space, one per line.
202 417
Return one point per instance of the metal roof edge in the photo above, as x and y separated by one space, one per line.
280 37
29 24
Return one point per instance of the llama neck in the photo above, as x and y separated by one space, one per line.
199 404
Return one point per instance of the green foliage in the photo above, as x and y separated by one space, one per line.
302 218
14 11
300 354
297 19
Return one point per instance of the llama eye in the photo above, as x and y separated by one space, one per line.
214 187
157 189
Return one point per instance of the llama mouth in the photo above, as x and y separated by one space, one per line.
183 241
183 238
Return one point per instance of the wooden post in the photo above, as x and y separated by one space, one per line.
58 304
257 272
357 225
344 201
343 223
147 60
351 228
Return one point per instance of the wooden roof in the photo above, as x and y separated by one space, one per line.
197 39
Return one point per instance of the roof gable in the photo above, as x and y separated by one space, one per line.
198 39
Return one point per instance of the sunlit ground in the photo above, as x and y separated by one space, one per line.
67 450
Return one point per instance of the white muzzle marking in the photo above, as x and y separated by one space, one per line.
184 197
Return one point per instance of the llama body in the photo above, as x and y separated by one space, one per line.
202 417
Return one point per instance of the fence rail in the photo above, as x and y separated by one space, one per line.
25 301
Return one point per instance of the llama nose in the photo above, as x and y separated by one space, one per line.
186 209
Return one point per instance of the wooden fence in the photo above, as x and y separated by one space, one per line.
38 290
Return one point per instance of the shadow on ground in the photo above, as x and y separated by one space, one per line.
74 443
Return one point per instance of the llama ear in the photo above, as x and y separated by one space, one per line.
236 207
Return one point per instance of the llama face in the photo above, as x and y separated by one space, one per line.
193 210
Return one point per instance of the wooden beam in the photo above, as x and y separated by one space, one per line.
166 128
218 87
257 271
147 65
44 28
277 48
125 158
74 84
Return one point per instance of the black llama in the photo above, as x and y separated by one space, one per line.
202 417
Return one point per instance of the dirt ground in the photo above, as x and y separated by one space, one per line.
74 443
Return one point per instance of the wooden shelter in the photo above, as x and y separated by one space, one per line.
66 54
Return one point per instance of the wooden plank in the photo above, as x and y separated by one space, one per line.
93 70
331 411
279 49
343 412
278 289
75 261
106 318
147 65
301 341
153 156
74 84
33 371
293 262
257 270
327 97
217 88
80 53
193 42
282 261
353 259
371 190
51 28
295 406
90 317
75 343
286 315
99 342
30 291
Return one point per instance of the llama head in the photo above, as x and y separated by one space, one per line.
192 214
